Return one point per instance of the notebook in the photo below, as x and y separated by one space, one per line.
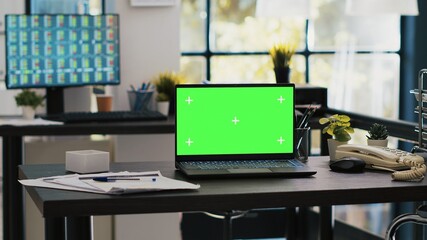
236 130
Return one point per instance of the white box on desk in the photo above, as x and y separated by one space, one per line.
87 161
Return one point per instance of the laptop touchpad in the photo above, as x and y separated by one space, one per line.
250 170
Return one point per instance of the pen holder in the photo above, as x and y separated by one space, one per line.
302 143
139 100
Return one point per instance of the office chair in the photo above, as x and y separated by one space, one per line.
420 217
227 217
226 225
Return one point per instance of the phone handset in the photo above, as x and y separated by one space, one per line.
383 158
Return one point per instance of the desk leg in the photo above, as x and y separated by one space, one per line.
291 223
228 226
79 228
54 228
13 204
326 223
302 223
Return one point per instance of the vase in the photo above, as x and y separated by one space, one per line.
378 142
163 107
282 74
28 112
332 147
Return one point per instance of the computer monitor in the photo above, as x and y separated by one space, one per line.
61 50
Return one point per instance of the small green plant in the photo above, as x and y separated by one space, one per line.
338 127
165 83
162 97
282 53
377 132
29 98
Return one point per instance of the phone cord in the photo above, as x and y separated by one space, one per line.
416 173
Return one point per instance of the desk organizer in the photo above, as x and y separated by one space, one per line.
140 100
87 161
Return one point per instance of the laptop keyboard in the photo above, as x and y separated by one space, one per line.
248 164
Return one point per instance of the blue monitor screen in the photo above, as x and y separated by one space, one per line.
62 50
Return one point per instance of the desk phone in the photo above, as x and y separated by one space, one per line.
404 165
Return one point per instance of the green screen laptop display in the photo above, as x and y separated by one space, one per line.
234 119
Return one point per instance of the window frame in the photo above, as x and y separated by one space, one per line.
306 53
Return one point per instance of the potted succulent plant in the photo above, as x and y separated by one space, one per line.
29 101
281 54
377 135
165 86
338 126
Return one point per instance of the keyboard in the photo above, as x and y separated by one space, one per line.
247 164
114 116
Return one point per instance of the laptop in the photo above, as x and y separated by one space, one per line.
232 130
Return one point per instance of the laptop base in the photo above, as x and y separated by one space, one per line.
287 172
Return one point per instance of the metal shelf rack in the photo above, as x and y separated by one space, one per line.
421 96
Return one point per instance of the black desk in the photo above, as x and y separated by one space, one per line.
13 220
13 216
326 188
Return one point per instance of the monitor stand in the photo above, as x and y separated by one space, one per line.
54 100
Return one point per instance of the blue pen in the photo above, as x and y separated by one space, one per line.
113 179
143 86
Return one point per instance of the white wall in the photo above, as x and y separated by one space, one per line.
7 7
7 101
149 45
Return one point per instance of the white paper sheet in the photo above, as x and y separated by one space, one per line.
146 181
25 122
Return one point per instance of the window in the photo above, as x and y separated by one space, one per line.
223 41
356 57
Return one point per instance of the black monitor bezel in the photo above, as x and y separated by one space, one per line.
232 157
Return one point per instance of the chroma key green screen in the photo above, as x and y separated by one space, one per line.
235 119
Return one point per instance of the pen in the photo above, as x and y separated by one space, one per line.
304 117
134 176
122 176
309 116
113 179
304 121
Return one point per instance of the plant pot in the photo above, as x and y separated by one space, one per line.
163 107
332 147
380 143
282 74
28 112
